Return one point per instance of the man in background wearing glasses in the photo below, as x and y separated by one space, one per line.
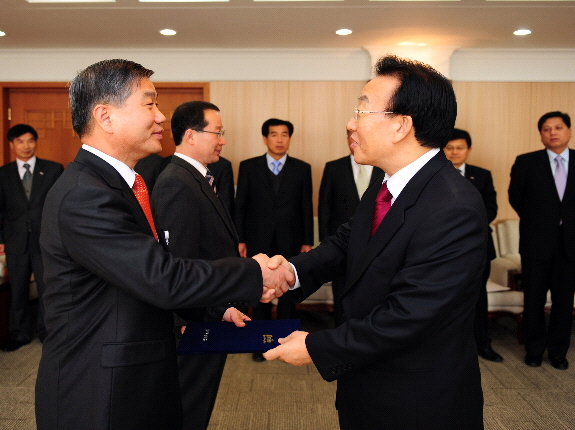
412 254
196 224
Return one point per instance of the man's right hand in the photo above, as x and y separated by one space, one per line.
2 249
277 278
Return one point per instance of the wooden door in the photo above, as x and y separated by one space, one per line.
46 108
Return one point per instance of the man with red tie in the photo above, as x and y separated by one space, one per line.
412 255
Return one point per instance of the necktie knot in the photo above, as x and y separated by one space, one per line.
27 166
141 193
276 164
382 206
210 178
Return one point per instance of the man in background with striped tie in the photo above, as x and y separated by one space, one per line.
196 224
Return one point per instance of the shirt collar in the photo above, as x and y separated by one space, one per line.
270 160
31 162
199 166
125 172
552 155
462 169
397 182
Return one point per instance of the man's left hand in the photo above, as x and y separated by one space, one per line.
292 350
235 316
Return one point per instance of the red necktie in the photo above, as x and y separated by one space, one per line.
141 192
382 205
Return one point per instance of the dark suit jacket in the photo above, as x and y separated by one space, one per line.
533 195
482 180
405 358
260 213
199 225
109 359
20 218
338 197
224 180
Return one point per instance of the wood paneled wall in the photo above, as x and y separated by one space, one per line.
501 117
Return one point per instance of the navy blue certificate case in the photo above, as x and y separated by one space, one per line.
221 337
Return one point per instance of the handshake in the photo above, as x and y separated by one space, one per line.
278 276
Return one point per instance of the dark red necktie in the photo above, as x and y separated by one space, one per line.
141 192
382 205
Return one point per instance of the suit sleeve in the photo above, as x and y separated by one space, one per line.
324 207
100 233
242 202
307 207
516 185
425 286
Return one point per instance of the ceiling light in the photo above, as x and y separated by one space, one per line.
522 32
168 32
412 44
343 32
2 34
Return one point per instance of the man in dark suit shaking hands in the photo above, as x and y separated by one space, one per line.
542 192
413 254
191 213
24 184
457 150
109 360
274 212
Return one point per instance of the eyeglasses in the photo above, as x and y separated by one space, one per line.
356 112
220 133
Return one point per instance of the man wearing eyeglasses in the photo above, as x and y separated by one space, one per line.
274 213
413 253
196 224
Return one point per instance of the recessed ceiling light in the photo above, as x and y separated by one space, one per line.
2 34
343 32
522 32
412 44
168 32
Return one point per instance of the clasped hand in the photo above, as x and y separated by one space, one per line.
277 274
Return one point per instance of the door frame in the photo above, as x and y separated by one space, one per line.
5 88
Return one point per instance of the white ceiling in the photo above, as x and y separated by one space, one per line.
245 24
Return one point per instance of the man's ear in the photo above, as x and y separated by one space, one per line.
188 137
102 118
404 126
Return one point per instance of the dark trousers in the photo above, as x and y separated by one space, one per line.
200 377
481 326
20 268
538 277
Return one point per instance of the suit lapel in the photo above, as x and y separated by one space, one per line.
37 178
208 191
545 173
19 187
116 182
366 248
570 186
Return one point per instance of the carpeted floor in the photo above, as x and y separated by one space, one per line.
276 396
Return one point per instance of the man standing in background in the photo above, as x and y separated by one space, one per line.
457 150
274 212
542 192
342 185
24 184
190 212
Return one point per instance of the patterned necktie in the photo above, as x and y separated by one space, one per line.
361 181
141 192
382 205
560 176
277 164
27 180
210 178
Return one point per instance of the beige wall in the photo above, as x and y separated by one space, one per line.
501 118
